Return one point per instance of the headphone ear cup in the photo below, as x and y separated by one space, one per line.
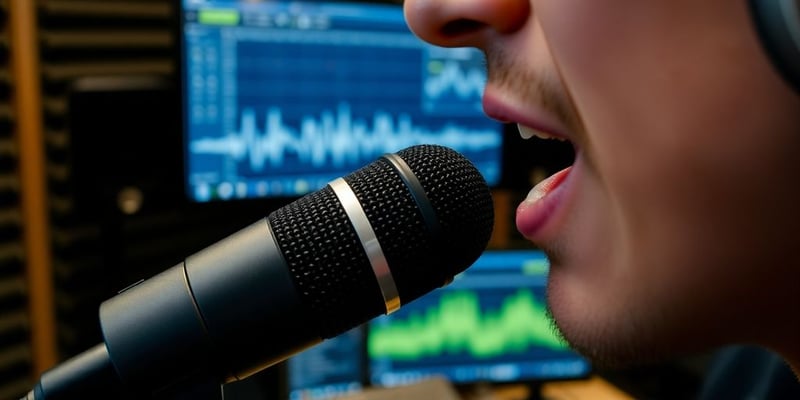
778 25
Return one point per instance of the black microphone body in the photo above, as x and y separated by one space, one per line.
358 248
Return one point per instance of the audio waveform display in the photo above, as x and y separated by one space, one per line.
489 325
291 94
458 325
449 78
453 82
335 140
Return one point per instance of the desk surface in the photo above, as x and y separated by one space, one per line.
594 388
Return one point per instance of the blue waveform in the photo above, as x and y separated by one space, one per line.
334 139
448 77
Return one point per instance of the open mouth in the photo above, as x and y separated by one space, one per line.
554 157
538 155
548 150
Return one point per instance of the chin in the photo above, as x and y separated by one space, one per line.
610 335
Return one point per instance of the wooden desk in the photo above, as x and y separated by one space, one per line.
594 388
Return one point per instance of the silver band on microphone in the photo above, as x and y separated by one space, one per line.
358 218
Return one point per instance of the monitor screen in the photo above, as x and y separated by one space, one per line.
488 325
332 368
281 97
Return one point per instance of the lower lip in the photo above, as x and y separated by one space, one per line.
541 204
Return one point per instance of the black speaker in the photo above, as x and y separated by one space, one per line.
778 26
125 142
127 190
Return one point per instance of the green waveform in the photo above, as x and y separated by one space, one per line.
458 326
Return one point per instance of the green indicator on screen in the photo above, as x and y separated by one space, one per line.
539 266
218 17
457 325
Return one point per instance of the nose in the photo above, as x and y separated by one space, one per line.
456 23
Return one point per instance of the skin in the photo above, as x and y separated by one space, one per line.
681 229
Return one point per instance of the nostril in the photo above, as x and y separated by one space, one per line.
461 27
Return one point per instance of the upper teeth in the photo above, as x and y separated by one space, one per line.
527 132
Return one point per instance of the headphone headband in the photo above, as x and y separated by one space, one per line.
778 26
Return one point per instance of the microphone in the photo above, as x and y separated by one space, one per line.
362 246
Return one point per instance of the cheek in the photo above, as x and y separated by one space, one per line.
665 113
600 54
591 41
686 187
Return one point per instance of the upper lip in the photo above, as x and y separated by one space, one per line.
533 116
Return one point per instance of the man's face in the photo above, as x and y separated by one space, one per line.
676 228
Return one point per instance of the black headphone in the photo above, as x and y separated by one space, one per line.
778 26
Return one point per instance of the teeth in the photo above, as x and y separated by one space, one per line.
527 132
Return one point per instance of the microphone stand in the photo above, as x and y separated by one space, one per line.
92 374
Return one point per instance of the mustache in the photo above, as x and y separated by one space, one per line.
543 88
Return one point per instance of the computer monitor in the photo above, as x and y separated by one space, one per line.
333 368
488 326
280 97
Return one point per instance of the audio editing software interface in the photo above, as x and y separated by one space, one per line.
281 97
332 368
488 326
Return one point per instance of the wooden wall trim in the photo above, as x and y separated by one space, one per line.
27 100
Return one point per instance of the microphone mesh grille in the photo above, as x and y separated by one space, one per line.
463 205
328 263
332 274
